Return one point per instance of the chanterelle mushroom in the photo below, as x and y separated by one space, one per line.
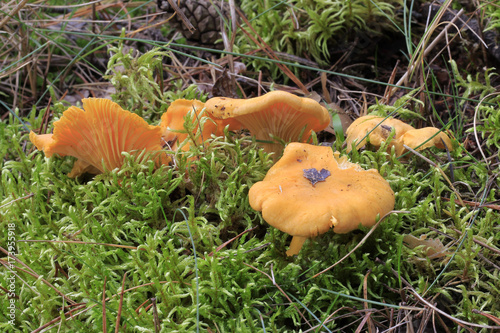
276 114
379 131
423 138
98 135
304 204
380 128
172 122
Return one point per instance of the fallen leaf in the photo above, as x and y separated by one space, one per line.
433 248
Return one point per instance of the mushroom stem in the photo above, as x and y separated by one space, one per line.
296 245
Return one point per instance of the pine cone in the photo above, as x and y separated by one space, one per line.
203 16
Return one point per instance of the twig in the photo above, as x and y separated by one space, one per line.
104 326
223 245
183 17
477 204
492 249
120 306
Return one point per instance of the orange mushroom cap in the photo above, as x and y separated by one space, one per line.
405 134
343 196
277 113
172 122
378 128
98 134
423 138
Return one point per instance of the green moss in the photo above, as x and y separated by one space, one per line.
148 223
310 29
138 81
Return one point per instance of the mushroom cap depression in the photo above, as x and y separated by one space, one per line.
379 131
98 135
343 196
277 113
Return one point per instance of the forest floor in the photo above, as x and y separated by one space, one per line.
178 248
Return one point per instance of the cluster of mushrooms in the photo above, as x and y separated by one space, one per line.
304 193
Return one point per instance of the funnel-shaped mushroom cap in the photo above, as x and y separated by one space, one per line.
278 113
378 131
423 138
305 203
98 135
172 122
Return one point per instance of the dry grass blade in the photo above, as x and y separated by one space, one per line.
362 324
46 326
389 90
35 275
22 198
459 197
369 320
156 318
361 242
476 110
10 268
15 69
281 290
327 319
13 12
77 242
264 47
68 314
459 322
420 52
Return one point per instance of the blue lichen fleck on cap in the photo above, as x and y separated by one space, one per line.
314 176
